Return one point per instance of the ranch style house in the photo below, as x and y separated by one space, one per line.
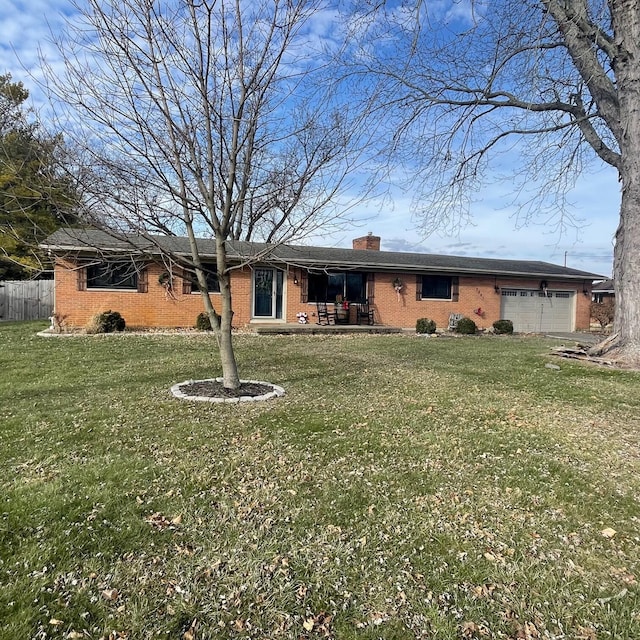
143 279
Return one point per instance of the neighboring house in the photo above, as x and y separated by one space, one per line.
96 271
603 290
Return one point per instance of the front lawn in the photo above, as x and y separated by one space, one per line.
403 488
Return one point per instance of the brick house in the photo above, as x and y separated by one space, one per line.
603 290
141 277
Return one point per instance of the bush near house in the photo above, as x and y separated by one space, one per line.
107 322
603 312
503 326
466 326
202 322
425 325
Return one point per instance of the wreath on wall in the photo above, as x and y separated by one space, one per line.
165 280
398 285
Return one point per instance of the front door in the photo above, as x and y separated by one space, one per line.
268 287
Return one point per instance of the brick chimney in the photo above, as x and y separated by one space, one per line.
369 242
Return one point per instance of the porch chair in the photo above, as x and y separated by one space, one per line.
364 312
324 315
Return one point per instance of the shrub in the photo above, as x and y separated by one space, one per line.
604 311
466 326
107 322
202 322
503 326
425 325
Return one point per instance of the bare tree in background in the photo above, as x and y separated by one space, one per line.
466 81
211 118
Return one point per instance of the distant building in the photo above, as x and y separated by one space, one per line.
602 290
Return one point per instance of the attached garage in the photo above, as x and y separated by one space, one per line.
536 311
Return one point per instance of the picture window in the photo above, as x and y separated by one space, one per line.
112 275
436 287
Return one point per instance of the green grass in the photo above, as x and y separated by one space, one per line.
403 488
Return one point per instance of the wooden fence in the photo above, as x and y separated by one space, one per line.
26 299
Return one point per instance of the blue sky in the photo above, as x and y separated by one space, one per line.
494 232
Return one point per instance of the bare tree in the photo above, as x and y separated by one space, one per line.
466 81
207 118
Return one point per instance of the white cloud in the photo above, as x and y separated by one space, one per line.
26 35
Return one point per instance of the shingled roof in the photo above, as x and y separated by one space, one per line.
90 242
606 286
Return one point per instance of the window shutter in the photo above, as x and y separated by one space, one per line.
304 286
455 289
187 287
143 280
371 286
82 279
418 287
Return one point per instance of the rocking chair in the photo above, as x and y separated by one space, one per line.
324 315
365 313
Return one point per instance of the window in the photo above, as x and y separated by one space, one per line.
211 275
112 275
351 286
439 287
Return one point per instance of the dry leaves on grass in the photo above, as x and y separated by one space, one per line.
161 522
319 624
472 630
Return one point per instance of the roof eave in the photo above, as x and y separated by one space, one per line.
443 269
328 264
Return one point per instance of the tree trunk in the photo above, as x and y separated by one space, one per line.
220 323
231 379
624 345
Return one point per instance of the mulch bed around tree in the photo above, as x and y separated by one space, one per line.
215 389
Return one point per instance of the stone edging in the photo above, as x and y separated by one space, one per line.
275 393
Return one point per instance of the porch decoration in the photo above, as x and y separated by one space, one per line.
398 285
342 310
303 317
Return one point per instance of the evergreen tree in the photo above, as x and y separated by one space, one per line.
36 194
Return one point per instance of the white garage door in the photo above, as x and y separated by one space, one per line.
538 312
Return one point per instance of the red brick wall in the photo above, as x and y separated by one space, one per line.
475 293
158 308
477 299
